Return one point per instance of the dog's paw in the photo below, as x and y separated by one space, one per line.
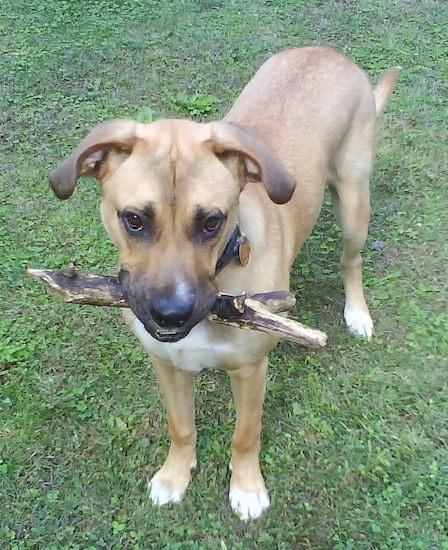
359 322
161 495
248 505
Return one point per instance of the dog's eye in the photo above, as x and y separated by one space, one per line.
133 223
207 224
211 225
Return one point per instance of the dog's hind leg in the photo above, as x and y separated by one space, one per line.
248 495
350 174
351 204
170 482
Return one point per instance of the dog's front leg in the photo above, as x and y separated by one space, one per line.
170 482
248 495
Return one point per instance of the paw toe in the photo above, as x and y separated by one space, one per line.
161 495
359 323
248 505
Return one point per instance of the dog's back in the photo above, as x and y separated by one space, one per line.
303 96
316 110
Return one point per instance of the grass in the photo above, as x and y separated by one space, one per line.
355 436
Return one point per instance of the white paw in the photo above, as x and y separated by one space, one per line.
248 505
160 495
359 322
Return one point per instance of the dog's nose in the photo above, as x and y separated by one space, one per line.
172 311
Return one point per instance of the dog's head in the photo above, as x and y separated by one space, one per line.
170 193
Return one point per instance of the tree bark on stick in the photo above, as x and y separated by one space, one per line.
264 312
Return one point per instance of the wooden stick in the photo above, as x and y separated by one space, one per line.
256 312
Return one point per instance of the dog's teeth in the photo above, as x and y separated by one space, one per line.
248 505
359 323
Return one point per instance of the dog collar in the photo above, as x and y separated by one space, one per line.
237 247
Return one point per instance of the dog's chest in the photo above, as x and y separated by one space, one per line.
201 348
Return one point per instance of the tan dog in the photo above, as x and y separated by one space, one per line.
174 193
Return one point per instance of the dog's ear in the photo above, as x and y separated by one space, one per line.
86 159
232 142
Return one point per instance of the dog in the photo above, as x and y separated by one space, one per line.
178 198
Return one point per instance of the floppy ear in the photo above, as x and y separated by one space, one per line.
259 164
89 154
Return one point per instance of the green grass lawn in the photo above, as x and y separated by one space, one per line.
354 446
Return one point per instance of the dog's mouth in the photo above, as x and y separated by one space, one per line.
170 334
166 335
163 330
168 314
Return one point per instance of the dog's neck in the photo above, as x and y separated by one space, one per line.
237 247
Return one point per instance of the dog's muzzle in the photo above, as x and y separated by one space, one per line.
168 314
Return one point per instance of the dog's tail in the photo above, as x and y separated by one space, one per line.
384 88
